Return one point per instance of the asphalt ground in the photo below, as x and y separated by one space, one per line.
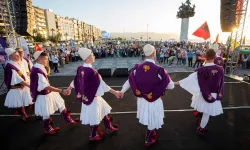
228 131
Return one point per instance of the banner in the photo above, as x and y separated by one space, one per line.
22 42
3 55
105 35
71 43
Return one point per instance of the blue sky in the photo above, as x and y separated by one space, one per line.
134 15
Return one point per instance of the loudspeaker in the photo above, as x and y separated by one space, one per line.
23 15
121 72
228 15
105 72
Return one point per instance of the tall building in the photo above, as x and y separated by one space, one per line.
3 13
96 33
65 27
81 30
50 22
76 29
87 32
40 22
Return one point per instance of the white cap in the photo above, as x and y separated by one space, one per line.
9 51
84 53
37 54
148 49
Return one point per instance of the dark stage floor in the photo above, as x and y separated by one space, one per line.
228 131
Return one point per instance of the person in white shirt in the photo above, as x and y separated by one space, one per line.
150 110
17 83
27 65
55 61
89 89
46 97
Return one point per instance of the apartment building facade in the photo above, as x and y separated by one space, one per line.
40 21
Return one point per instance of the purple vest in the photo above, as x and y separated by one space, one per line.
219 61
86 83
34 83
146 83
211 80
8 74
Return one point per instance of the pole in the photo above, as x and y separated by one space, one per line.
13 28
228 49
147 33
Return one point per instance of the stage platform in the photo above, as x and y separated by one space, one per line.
226 132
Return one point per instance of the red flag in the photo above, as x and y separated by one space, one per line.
203 31
38 48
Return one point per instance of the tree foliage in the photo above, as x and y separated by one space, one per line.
39 38
2 31
186 10
55 39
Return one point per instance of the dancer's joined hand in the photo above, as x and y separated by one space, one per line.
66 92
176 83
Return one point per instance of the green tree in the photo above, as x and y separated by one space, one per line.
39 38
55 39
52 30
2 31
119 38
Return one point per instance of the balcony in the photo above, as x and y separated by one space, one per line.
40 16
40 20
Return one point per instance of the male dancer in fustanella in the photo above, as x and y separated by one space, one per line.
89 87
148 82
16 81
206 85
46 97
27 65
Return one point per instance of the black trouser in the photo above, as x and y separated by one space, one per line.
248 64
190 62
198 62
56 68
179 60
165 58
51 65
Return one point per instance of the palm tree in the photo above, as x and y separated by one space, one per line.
82 35
66 35
34 32
52 30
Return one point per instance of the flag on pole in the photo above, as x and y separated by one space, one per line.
203 31
37 48
244 40
217 39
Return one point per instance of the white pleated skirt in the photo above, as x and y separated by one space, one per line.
150 114
16 98
46 105
212 109
94 113
198 103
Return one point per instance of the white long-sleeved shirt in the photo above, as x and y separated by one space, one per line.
42 81
126 85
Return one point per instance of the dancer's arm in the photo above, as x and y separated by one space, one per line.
125 87
116 93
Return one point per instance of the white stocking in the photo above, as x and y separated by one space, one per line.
204 120
46 117
61 109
